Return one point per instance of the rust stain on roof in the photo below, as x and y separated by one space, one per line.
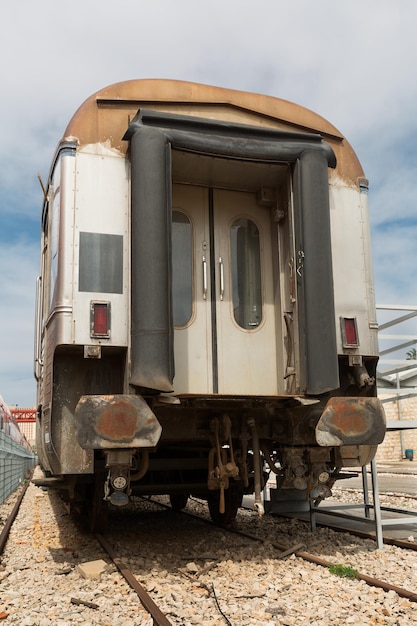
104 117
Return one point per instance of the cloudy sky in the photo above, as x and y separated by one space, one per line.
354 63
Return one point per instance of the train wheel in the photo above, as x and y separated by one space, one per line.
178 501
232 502
97 507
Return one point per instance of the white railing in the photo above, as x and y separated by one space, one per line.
393 372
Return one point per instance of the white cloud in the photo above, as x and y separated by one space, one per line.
18 270
353 63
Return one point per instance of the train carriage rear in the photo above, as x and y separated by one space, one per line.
205 304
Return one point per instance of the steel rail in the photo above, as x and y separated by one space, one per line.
312 558
12 516
369 580
307 556
159 618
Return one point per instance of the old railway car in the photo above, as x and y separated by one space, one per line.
205 303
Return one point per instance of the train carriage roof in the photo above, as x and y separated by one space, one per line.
104 116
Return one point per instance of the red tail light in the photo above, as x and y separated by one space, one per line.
100 319
349 332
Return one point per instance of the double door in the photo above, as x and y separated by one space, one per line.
223 293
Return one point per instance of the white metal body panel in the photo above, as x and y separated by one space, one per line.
352 266
59 292
101 206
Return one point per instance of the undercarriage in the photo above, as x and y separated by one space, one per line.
220 448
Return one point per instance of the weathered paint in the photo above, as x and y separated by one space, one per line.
115 421
99 119
349 421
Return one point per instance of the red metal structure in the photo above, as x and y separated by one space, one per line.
26 420
24 415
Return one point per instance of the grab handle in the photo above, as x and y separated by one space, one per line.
204 278
221 268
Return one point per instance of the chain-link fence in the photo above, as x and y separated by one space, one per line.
15 462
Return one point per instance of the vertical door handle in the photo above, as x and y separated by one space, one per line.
204 278
221 268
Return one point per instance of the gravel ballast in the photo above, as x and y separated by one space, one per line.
194 572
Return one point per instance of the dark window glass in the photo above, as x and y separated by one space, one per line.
246 273
101 263
182 272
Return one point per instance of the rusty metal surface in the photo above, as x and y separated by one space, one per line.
101 119
351 421
116 421
158 617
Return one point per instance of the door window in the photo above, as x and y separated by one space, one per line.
246 273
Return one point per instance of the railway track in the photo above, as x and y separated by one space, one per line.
11 516
285 550
159 618
193 576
